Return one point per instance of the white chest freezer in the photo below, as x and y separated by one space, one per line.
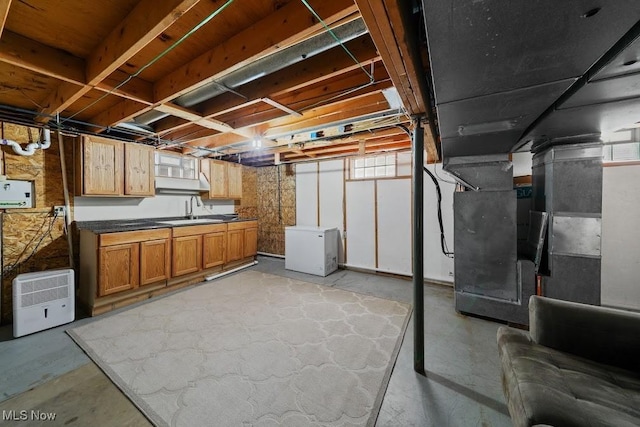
312 250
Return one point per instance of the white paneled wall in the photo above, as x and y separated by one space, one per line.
361 224
394 225
331 198
378 216
307 194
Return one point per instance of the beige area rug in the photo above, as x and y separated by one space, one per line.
252 349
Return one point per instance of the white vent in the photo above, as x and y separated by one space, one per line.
42 300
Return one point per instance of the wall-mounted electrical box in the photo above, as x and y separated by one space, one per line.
16 194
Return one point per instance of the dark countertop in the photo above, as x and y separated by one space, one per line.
116 225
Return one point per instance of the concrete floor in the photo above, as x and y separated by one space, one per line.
47 371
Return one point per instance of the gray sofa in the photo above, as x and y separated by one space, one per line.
578 366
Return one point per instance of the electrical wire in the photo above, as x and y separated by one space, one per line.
443 240
330 31
18 263
157 57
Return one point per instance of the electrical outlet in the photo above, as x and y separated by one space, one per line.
59 210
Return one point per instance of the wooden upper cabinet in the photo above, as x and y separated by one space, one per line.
219 179
102 164
225 179
234 179
139 170
105 167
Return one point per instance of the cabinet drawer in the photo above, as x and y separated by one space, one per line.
242 225
108 239
193 230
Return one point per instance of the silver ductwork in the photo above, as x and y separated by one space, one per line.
264 66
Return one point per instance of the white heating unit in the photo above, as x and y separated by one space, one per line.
42 300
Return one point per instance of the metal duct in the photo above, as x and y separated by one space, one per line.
264 66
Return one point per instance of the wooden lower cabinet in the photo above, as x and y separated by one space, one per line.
235 245
242 240
214 249
155 261
250 241
187 255
119 268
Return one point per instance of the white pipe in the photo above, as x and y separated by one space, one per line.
224 273
31 148
271 255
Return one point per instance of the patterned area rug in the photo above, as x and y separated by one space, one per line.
252 349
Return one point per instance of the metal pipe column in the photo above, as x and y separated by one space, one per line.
417 251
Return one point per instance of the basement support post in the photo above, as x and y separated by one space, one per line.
417 252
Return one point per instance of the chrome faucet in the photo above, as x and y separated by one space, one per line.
190 213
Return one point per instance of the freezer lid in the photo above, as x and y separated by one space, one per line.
310 228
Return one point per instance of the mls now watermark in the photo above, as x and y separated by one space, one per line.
24 415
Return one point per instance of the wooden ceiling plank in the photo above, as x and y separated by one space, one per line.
242 118
318 68
136 89
61 98
35 56
122 112
147 20
288 23
384 20
353 107
196 118
374 14
5 5
143 24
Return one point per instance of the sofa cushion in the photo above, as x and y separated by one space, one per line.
546 386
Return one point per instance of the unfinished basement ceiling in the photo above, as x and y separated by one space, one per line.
300 78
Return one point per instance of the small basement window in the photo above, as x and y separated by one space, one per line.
376 167
617 153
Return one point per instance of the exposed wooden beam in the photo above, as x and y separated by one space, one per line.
125 110
288 23
361 139
322 116
199 120
321 67
253 112
387 23
258 115
5 5
143 24
252 128
291 22
61 98
387 34
136 89
35 56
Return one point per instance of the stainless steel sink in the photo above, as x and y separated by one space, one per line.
190 221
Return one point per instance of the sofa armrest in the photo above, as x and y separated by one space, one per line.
604 335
